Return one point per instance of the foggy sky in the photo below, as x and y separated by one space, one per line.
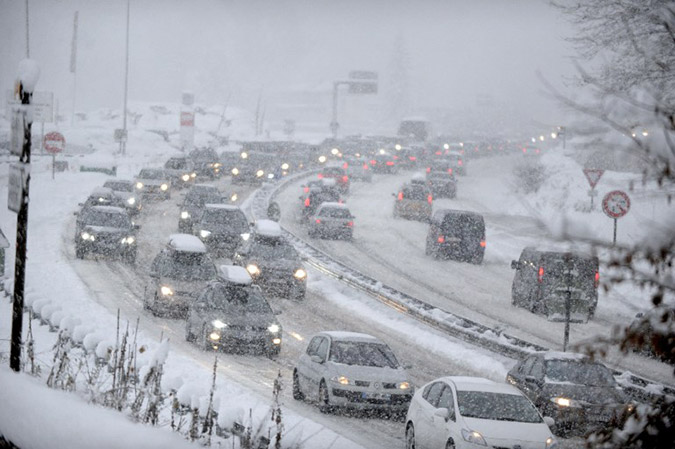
457 50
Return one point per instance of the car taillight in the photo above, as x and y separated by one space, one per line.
318 221
413 158
320 175
395 157
483 243
460 162
438 153
350 224
390 163
373 162
450 170
440 239
306 189
597 279
428 169
524 150
429 199
340 201
365 166
345 165
345 179
400 196
306 202
540 276
537 151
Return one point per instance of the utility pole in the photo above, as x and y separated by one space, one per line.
27 33
28 76
123 141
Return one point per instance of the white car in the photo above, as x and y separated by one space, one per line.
331 220
347 369
472 412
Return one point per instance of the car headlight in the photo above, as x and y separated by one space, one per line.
259 173
185 177
270 175
245 236
284 166
204 233
164 187
403 385
235 171
214 336
218 324
131 201
193 175
551 443
129 240
342 380
565 402
217 165
166 291
88 236
300 274
473 437
244 155
274 328
185 215
253 269
234 197
139 185
276 340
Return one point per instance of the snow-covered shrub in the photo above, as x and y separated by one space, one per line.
529 176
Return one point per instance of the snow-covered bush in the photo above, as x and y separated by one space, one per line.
529 176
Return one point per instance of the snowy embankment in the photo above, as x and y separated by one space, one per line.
63 301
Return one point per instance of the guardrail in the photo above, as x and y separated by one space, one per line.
639 388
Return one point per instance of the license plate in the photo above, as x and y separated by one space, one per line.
365 395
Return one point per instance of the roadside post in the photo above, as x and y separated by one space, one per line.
593 175
54 143
27 78
616 204
568 299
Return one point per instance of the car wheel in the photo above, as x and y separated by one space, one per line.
205 343
477 259
410 437
130 257
298 395
189 336
450 445
324 399
79 252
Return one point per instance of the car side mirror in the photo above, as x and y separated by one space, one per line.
550 422
154 275
316 359
137 226
442 413
514 264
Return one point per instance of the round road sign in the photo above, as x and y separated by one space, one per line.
54 142
616 204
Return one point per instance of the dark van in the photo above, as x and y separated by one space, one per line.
544 280
457 234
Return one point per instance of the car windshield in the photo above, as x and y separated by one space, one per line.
147 173
176 164
496 406
188 266
579 372
418 193
335 212
201 197
234 220
558 266
363 354
92 217
333 171
239 299
119 186
273 251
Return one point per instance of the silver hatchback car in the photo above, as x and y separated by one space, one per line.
351 370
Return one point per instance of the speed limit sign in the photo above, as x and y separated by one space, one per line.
616 204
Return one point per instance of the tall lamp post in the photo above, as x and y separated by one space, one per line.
123 139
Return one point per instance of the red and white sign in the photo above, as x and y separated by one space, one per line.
187 118
616 204
593 176
54 143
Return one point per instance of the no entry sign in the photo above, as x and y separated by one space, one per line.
616 204
54 143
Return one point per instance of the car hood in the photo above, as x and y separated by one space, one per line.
370 373
495 432
279 264
256 319
183 286
589 394
153 182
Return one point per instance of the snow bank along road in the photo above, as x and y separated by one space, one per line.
328 305
392 251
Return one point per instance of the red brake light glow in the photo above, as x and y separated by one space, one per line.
460 162
320 175
597 279
318 221
450 170
365 166
400 196
540 277
441 239
428 169
373 162
438 153
307 202
413 158
390 163
350 224
345 179
345 165
483 243
430 199
306 189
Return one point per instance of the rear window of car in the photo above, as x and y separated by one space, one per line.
471 223
335 212
333 171
176 164
415 193
233 219
496 407
119 186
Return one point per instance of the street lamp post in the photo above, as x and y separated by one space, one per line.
123 140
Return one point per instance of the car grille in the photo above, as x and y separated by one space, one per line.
361 383
358 397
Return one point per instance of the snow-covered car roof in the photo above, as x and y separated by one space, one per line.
466 383
101 191
234 274
418 178
268 228
109 209
334 205
350 336
556 355
187 243
222 206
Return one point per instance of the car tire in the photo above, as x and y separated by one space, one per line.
450 444
130 257
189 336
324 398
79 252
410 437
204 343
298 395
477 259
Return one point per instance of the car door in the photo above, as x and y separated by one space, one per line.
198 311
536 381
442 428
424 425
310 366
